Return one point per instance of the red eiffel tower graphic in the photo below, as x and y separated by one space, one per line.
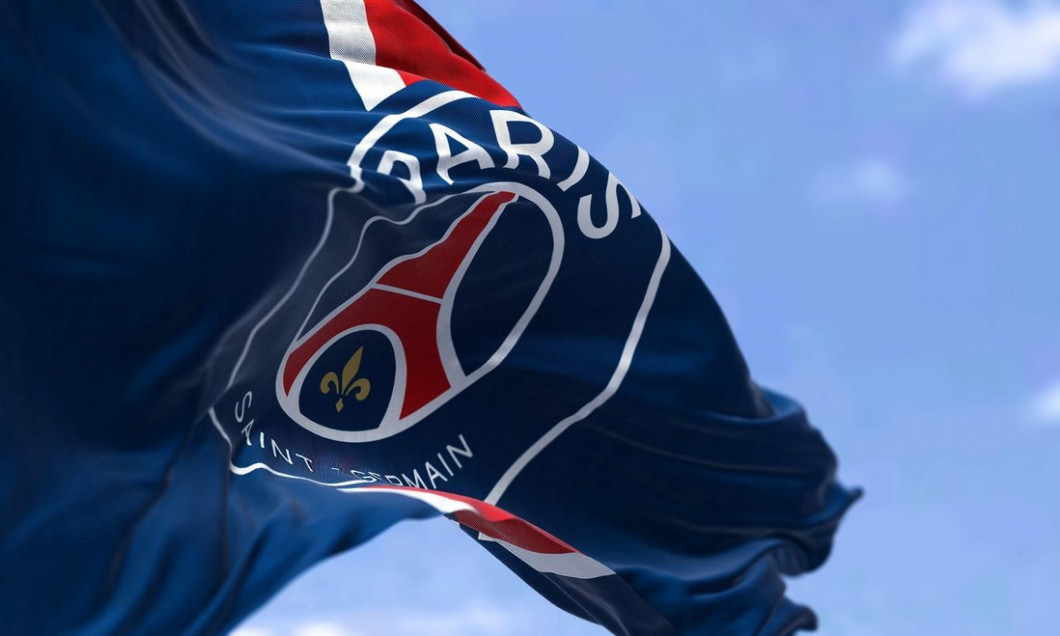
406 297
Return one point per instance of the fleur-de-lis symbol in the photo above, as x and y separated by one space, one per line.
350 381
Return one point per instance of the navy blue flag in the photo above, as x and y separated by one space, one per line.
275 276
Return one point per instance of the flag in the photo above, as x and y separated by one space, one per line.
275 276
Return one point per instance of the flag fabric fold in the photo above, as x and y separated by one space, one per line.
276 276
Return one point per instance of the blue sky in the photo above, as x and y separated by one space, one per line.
871 191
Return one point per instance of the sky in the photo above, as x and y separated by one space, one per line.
870 190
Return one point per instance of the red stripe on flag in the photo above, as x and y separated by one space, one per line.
435 55
497 523
514 531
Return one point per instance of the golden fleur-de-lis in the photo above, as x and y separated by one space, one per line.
350 381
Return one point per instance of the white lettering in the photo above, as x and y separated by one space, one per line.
442 459
434 474
308 462
285 453
613 184
447 160
242 406
581 166
414 183
611 209
585 219
363 476
454 451
246 431
417 483
502 121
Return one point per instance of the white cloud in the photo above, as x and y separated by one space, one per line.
251 631
322 629
1046 407
981 46
473 618
872 180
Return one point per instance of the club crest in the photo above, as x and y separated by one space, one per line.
386 358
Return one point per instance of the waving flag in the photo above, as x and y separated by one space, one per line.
275 276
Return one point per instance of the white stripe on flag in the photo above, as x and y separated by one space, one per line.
570 564
574 565
350 41
440 503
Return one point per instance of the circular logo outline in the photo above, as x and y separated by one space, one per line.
394 422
